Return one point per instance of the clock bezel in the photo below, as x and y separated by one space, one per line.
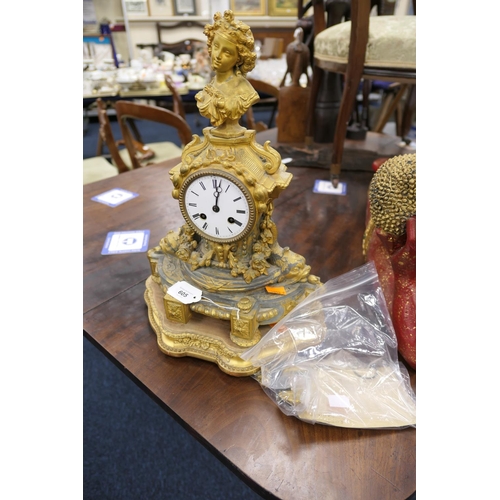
252 216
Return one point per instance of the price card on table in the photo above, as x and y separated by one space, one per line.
115 197
126 242
326 187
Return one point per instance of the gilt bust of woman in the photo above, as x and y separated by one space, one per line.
229 95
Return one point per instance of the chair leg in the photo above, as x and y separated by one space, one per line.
359 126
250 119
388 108
99 145
313 97
408 112
365 114
273 113
346 106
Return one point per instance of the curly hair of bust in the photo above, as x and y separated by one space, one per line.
392 194
237 32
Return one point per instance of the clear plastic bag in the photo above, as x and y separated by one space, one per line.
334 359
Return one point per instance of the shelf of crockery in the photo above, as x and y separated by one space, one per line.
252 21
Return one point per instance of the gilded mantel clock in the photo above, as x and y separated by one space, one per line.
228 247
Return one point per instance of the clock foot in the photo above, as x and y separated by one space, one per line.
203 337
244 325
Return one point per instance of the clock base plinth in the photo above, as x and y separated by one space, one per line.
223 292
203 337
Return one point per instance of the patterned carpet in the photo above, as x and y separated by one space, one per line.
132 449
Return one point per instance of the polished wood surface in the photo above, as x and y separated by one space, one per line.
359 155
277 455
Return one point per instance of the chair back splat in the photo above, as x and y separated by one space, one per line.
128 112
106 136
178 105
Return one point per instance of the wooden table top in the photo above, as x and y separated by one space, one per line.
277 455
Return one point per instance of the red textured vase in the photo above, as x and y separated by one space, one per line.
395 260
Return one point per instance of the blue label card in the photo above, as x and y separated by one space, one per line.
326 187
114 197
126 242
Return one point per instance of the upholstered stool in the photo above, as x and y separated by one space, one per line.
377 48
391 43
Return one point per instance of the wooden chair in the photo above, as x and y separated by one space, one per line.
98 167
271 94
130 114
178 105
185 45
145 153
185 37
106 137
366 47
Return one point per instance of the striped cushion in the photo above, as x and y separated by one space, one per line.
391 42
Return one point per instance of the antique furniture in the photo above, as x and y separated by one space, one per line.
98 167
185 43
366 47
130 114
106 136
270 95
178 105
145 153
184 46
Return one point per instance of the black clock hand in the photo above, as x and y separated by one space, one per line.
217 193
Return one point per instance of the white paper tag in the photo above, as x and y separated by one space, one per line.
126 242
326 187
338 401
115 197
184 292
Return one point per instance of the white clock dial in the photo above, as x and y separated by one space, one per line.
218 206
